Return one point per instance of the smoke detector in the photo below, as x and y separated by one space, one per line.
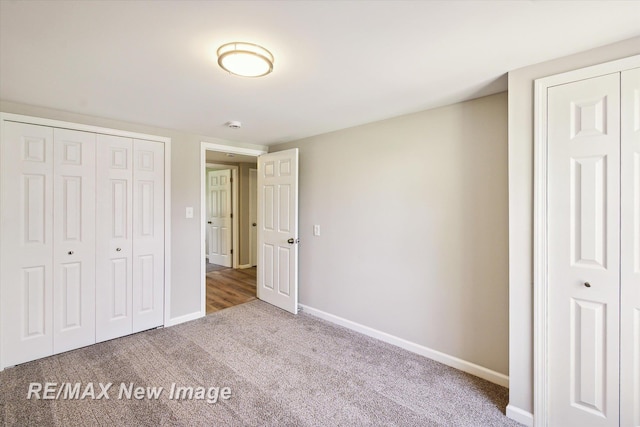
234 124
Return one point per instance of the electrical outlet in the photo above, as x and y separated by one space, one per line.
316 230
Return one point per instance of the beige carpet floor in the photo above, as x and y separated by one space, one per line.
282 370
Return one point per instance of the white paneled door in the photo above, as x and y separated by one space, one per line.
74 227
630 250
148 234
584 252
114 249
277 275
219 217
253 216
27 242
48 240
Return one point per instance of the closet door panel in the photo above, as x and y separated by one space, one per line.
630 250
114 235
74 239
26 271
584 252
148 235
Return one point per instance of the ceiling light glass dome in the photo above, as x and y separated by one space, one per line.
245 59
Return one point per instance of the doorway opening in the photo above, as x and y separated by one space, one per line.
228 226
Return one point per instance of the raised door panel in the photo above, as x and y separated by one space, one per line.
278 229
148 235
26 271
630 250
114 237
584 253
74 239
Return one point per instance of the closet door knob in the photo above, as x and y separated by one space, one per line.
587 284
70 252
118 249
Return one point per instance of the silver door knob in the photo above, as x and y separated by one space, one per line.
118 249
587 284
70 252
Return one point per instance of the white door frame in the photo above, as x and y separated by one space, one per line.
540 224
234 207
204 147
253 205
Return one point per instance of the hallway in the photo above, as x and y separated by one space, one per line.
227 287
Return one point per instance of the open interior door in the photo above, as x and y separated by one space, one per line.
278 229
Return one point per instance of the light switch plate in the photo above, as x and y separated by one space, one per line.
188 212
316 230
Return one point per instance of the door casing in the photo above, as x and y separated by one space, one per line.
253 216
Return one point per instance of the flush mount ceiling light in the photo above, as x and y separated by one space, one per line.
245 59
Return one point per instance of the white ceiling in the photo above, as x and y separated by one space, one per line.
338 63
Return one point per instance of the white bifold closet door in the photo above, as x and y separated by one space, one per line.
74 206
148 235
27 242
584 252
47 270
630 250
594 251
130 249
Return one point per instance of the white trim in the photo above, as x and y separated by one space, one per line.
520 415
454 362
234 150
78 126
590 72
235 230
167 231
184 318
2 117
540 332
243 266
167 184
204 147
253 204
540 223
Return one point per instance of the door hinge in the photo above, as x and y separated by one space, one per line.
231 215
231 251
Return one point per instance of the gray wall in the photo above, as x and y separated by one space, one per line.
521 208
185 191
413 216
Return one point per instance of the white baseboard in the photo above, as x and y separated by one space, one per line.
243 266
454 362
185 318
520 415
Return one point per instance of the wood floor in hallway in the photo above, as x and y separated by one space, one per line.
229 287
